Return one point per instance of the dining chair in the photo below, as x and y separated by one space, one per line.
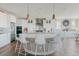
40 41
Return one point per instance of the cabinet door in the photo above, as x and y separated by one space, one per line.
3 40
12 18
3 20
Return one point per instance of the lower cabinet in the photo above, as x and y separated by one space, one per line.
4 39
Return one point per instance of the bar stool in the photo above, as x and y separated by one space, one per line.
17 42
23 44
40 41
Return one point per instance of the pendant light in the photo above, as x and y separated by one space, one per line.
53 17
27 17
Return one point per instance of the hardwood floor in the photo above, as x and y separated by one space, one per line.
9 50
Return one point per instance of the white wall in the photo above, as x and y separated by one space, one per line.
67 10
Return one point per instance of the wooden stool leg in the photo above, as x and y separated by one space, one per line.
44 51
25 53
25 50
19 49
16 47
30 46
36 50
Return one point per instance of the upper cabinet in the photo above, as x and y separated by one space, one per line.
3 20
12 18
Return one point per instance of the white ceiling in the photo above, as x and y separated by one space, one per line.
20 9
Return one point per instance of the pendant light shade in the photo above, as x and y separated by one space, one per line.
27 17
53 17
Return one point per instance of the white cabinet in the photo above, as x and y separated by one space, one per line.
49 26
19 22
4 39
5 24
12 18
3 20
31 26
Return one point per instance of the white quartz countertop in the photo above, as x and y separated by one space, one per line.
52 34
